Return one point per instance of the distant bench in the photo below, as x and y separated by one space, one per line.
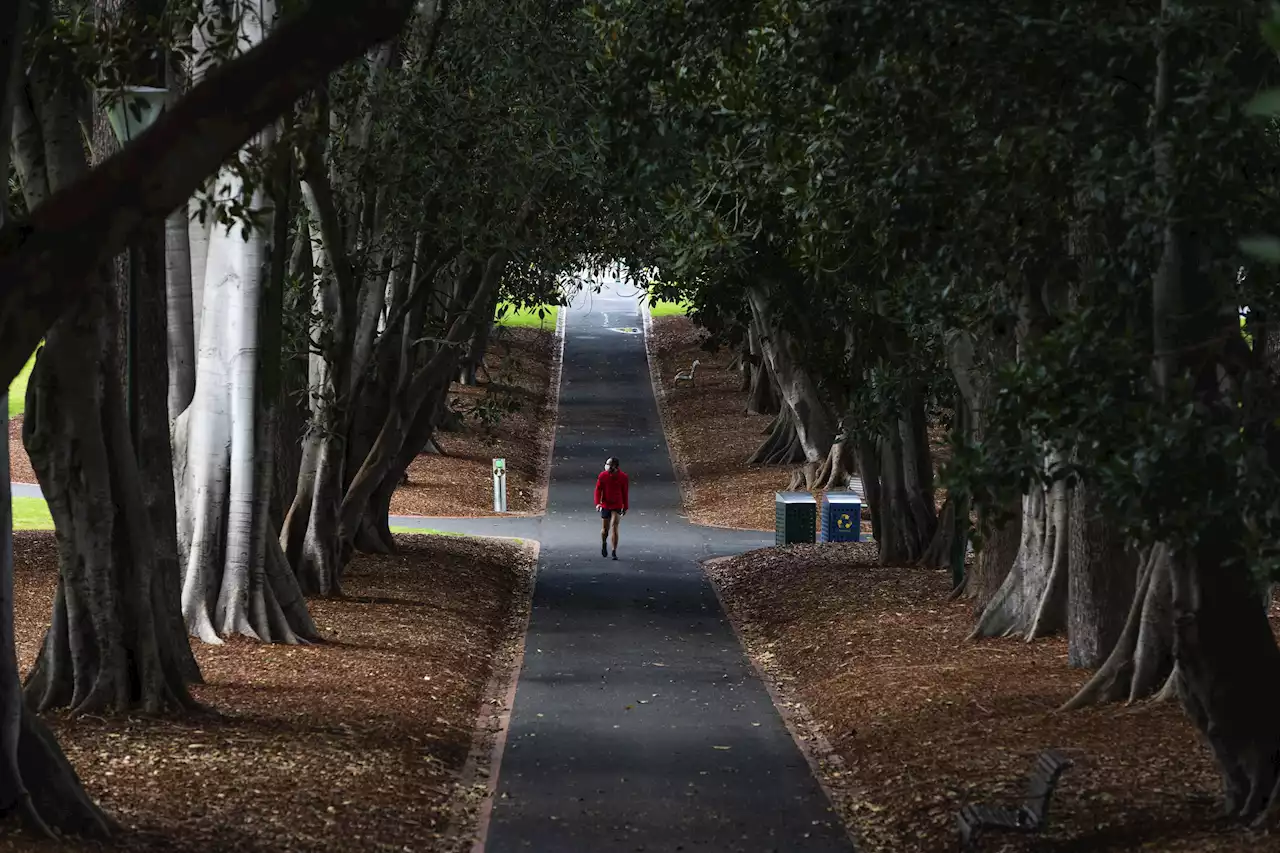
1031 816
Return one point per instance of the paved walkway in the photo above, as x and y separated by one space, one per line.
638 723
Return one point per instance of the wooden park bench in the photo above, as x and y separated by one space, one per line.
1031 816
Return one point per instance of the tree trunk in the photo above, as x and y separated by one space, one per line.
1229 675
292 411
869 465
917 471
995 558
938 554
1141 661
179 291
814 424
477 347
1101 583
224 439
1225 653
404 408
36 780
762 398
1032 601
111 647
151 397
181 316
906 516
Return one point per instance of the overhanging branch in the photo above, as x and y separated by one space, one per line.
46 260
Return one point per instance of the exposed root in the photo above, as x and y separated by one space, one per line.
1032 601
55 801
938 554
804 478
1117 680
782 446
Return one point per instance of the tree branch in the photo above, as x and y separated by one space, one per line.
45 261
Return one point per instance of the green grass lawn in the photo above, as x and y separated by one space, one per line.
662 308
419 531
527 318
18 390
31 514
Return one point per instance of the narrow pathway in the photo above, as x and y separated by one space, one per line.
638 723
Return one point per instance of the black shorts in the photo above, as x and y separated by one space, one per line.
605 513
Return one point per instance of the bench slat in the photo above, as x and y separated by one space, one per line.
1031 817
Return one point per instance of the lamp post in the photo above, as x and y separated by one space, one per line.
130 111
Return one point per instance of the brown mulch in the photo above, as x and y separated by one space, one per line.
922 720
353 744
19 465
522 365
710 433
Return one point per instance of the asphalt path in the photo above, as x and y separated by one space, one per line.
638 722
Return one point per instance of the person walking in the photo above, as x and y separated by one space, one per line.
612 503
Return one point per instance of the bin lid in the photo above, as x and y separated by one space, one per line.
794 498
842 497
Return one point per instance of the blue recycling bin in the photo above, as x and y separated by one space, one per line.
841 517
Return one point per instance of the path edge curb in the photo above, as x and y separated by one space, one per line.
825 764
660 397
553 407
468 827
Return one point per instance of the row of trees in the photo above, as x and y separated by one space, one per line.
1024 226
900 213
316 248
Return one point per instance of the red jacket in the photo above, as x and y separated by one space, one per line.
611 490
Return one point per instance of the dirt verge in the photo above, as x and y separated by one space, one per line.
353 744
710 433
523 368
873 663
19 465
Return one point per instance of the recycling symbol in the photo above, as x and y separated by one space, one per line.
844 522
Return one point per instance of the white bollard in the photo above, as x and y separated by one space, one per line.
499 485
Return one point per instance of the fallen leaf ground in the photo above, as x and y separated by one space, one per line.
522 364
353 744
710 433
920 720
19 465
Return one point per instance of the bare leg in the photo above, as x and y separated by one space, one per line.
617 517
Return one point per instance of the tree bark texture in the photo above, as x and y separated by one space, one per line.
36 780
1101 580
232 583
1032 600
111 647
814 423
762 396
